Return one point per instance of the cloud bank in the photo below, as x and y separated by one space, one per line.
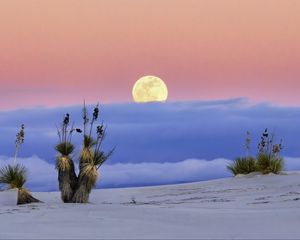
160 133
42 175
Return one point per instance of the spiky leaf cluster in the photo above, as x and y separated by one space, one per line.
269 163
13 175
65 148
242 165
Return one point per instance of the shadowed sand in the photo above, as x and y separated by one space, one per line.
242 207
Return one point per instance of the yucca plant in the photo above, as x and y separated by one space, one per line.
269 164
15 175
90 160
88 173
244 165
64 164
268 159
91 157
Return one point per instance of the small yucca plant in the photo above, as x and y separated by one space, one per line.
15 175
242 165
269 163
268 159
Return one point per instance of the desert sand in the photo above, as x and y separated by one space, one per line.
256 206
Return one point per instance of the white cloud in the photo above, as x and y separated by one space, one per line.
162 173
175 130
42 175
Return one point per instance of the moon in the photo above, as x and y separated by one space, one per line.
149 89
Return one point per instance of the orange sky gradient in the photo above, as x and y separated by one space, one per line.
59 52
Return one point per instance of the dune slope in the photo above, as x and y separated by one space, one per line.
241 207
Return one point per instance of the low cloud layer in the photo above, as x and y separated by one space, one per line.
142 174
42 175
159 133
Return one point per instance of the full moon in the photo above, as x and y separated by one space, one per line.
149 89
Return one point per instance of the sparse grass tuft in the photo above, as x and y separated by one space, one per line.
242 165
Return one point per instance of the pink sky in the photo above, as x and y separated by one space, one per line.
58 52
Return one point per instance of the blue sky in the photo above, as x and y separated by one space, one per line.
188 140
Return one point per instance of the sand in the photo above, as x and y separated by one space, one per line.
261 207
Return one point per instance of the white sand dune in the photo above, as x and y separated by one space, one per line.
9 197
243 207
